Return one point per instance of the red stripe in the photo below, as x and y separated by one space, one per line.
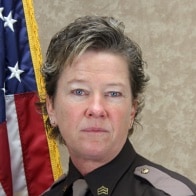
36 157
5 167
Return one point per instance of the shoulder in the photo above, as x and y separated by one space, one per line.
165 180
57 184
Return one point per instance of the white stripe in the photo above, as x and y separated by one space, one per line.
2 193
17 167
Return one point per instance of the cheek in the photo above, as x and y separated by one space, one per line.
68 115
121 117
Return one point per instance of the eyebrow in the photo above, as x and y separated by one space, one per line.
77 81
116 84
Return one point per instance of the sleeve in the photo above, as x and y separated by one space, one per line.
163 181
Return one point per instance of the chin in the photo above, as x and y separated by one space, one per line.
95 151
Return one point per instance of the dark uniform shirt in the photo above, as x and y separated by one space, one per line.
129 174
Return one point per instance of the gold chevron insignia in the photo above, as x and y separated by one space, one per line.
102 190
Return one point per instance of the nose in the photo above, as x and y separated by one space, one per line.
96 107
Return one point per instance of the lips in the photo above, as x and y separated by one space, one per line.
94 130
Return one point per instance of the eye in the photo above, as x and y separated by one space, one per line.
79 92
114 94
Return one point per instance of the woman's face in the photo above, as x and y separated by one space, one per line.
93 106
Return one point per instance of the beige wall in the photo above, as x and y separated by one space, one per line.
166 32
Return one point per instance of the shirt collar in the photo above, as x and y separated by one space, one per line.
73 174
105 177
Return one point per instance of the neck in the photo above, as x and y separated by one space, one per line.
86 166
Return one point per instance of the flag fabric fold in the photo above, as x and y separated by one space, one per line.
29 160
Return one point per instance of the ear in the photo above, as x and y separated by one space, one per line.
133 111
50 108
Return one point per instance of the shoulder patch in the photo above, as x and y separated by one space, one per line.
163 181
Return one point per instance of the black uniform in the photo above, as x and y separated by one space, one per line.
129 174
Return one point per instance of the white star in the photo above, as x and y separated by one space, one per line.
15 72
1 11
9 21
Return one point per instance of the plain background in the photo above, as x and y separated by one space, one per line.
166 32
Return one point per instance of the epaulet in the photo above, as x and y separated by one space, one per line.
162 181
59 180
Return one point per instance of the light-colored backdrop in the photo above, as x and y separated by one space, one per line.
166 32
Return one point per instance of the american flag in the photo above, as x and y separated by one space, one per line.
25 156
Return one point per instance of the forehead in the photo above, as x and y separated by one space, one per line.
98 62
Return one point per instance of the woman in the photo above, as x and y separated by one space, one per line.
94 80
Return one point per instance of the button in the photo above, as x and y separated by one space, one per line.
145 170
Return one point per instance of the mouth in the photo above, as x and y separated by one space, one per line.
94 130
